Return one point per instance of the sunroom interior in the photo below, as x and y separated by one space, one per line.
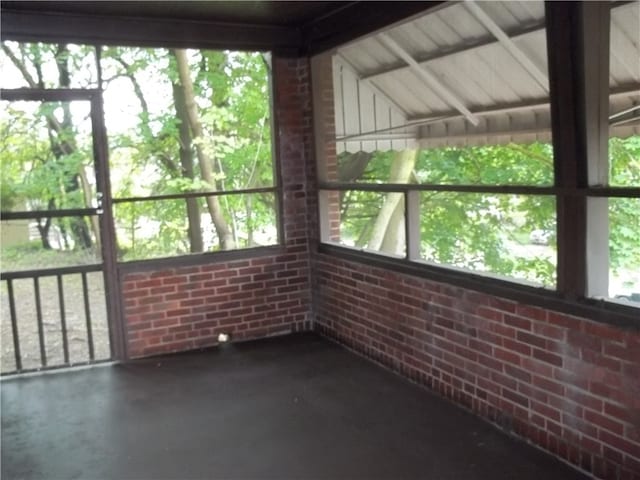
320 239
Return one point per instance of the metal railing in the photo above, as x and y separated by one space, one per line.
84 355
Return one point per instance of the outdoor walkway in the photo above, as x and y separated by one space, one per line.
293 407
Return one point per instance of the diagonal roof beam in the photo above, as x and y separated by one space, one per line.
618 37
429 79
539 76
514 33
424 58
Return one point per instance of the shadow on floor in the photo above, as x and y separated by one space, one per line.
291 407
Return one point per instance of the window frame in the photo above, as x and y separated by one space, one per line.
107 198
571 87
275 189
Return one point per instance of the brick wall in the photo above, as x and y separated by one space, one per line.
567 384
324 125
181 308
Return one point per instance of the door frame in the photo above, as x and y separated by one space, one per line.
103 211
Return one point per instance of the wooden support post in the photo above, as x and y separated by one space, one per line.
595 25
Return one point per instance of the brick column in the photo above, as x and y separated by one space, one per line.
324 123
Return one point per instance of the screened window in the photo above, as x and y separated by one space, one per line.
437 142
436 145
190 150
620 165
189 144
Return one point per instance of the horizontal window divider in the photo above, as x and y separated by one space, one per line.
204 258
48 95
619 192
179 196
625 192
35 215
51 272
408 187
599 310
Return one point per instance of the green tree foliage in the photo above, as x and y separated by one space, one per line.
155 149
490 233
231 95
51 177
624 217
152 145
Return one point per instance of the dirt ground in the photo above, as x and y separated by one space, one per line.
75 319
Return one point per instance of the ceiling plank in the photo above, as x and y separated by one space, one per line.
520 56
424 59
515 33
428 78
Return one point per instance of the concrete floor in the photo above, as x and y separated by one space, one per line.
292 407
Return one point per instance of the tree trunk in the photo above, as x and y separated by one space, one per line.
88 196
60 145
394 237
353 166
43 228
248 206
186 162
64 144
225 235
401 168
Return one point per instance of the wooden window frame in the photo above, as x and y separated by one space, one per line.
579 96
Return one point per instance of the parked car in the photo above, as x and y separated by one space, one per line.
631 297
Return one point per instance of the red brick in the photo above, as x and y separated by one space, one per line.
515 397
136 293
150 300
163 289
517 322
546 411
628 415
176 296
133 277
601 331
149 283
533 313
529 339
585 399
161 273
503 305
628 353
536 367
562 320
517 373
174 280
547 357
630 448
601 421
549 385
549 331
583 340
519 347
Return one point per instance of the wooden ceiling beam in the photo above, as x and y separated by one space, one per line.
147 32
359 19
